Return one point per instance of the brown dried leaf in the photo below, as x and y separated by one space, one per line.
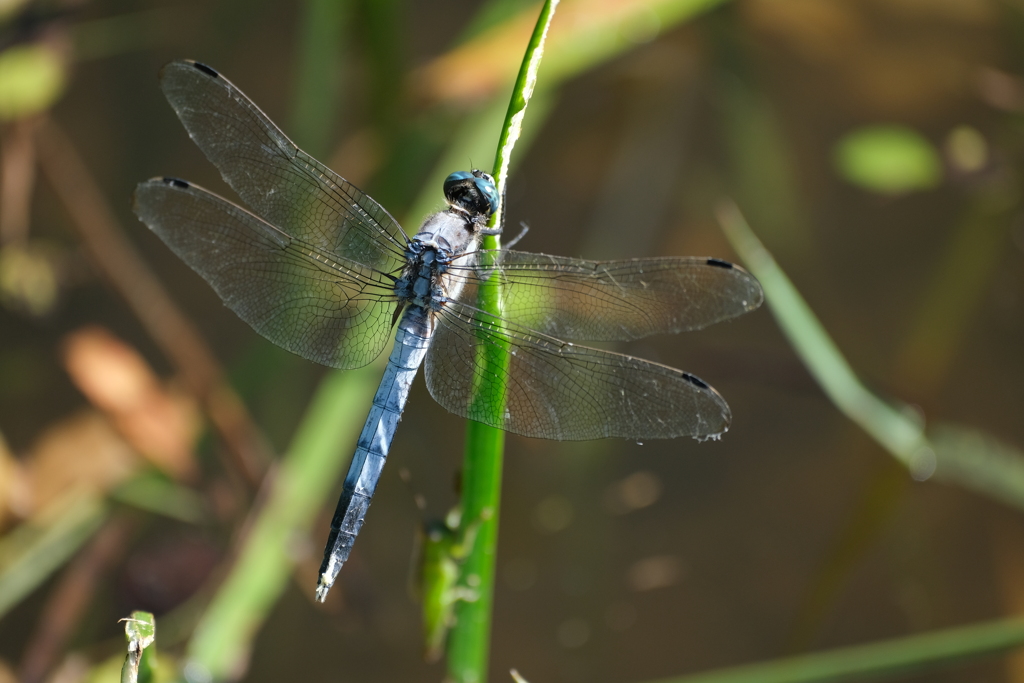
491 60
7 673
82 451
14 500
161 424
483 64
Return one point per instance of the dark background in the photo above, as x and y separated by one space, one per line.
796 531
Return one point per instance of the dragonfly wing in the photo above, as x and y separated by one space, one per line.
323 307
583 300
555 390
278 181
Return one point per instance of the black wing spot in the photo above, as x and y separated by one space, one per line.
176 182
696 381
719 262
205 69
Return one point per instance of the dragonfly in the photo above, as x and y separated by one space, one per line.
321 269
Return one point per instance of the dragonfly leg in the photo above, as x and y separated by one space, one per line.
522 233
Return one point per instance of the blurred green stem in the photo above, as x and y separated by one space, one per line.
30 553
961 279
966 456
318 75
897 431
890 658
469 642
220 645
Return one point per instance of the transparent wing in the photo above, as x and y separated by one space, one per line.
323 307
556 390
278 181
583 300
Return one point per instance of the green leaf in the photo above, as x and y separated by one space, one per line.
32 77
888 159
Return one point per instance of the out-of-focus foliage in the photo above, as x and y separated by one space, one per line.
31 79
131 474
28 279
890 159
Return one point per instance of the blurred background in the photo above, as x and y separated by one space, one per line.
875 147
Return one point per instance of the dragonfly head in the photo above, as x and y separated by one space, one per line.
472 192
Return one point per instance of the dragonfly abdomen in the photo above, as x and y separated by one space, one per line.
411 343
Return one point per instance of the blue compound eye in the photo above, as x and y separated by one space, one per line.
454 179
486 187
472 191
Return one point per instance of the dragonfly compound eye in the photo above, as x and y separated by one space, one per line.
473 192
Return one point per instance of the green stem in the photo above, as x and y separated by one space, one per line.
318 75
485 446
962 455
32 552
889 658
895 429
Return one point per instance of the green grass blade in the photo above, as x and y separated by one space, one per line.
469 641
153 492
33 551
895 429
889 658
978 461
967 457
318 75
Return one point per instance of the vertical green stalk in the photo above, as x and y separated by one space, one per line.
485 446
318 75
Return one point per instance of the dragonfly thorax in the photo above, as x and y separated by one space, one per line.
443 237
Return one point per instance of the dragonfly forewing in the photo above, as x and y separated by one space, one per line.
317 305
580 300
276 179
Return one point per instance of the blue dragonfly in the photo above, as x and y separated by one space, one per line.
321 269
